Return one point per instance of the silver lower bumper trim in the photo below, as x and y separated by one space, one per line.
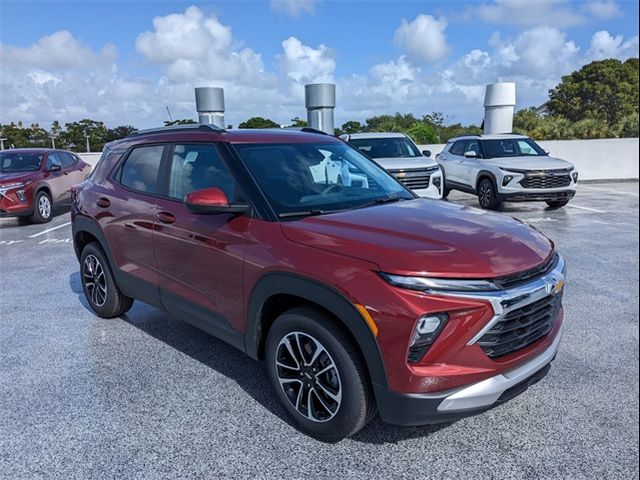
487 392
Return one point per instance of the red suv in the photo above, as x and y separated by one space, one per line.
360 296
33 181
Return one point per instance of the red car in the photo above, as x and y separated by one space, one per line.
33 181
360 296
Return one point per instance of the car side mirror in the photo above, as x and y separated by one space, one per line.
54 167
426 153
470 154
547 152
210 201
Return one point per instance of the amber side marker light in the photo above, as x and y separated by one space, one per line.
368 318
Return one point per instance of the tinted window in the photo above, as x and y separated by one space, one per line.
510 147
53 159
473 146
308 179
458 147
195 167
392 147
19 162
66 159
140 170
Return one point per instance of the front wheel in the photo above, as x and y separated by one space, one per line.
43 208
318 375
487 195
557 203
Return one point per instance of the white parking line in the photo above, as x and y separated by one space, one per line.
613 192
595 210
49 230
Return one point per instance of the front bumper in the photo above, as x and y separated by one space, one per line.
434 190
539 196
410 409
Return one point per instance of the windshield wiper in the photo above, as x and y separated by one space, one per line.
381 201
304 213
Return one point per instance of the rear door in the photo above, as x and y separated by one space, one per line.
73 172
200 257
453 167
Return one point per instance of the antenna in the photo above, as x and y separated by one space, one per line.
169 112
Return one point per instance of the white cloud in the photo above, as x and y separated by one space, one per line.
423 38
603 9
604 45
294 8
554 13
302 63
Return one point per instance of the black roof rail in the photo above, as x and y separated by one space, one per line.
307 130
181 128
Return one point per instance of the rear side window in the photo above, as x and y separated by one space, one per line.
66 159
194 167
141 168
458 147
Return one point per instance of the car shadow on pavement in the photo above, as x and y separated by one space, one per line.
250 375
24 221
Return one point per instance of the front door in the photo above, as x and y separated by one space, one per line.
200 257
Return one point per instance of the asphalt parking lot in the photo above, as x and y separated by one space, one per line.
147 396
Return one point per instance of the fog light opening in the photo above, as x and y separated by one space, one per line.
506 179
575 177
21 195
425 333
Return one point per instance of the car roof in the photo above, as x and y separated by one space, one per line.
352 136
497 136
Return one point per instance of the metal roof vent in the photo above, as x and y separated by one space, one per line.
210 106
499 105
320 100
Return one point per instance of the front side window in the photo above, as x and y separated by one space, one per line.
473 146
19 162
458 147
194 167
141 168
510 147
308 179
66 159
53 159
391 147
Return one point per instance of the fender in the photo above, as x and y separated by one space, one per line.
329 299
486 173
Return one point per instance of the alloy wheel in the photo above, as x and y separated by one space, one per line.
95 280
485 194
44 206
308 376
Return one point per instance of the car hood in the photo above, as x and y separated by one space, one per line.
15 177
532 163
427 237
405 163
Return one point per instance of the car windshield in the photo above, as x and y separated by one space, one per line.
390 147
309 179
511 147
19 162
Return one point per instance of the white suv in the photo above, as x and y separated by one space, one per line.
506 167
399 156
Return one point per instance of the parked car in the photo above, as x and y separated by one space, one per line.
397 153
34 181
361 298
506 168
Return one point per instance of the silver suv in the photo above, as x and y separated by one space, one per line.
399 156
506 168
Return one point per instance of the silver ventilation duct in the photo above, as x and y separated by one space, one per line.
499 105
210 106
320 100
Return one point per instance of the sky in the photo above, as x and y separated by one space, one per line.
125 62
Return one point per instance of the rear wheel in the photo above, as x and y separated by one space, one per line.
98 283
42 208
487 195
318 375
557 203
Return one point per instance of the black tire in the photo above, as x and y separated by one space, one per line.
557 204
42 208
445 190
98 284
487 195
328 420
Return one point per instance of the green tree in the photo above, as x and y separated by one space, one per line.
606 89
627 126
390 123
553 128
422 133
258 122
297 122
526 120
352 127
591 128
119 132
74 135
180 121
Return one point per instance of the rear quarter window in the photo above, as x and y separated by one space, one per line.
141 169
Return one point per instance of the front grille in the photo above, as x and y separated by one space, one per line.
521 327
413 179
516 279
547 180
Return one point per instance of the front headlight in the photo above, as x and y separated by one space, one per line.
429 284
10 186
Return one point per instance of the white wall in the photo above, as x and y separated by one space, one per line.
602 159
91 158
